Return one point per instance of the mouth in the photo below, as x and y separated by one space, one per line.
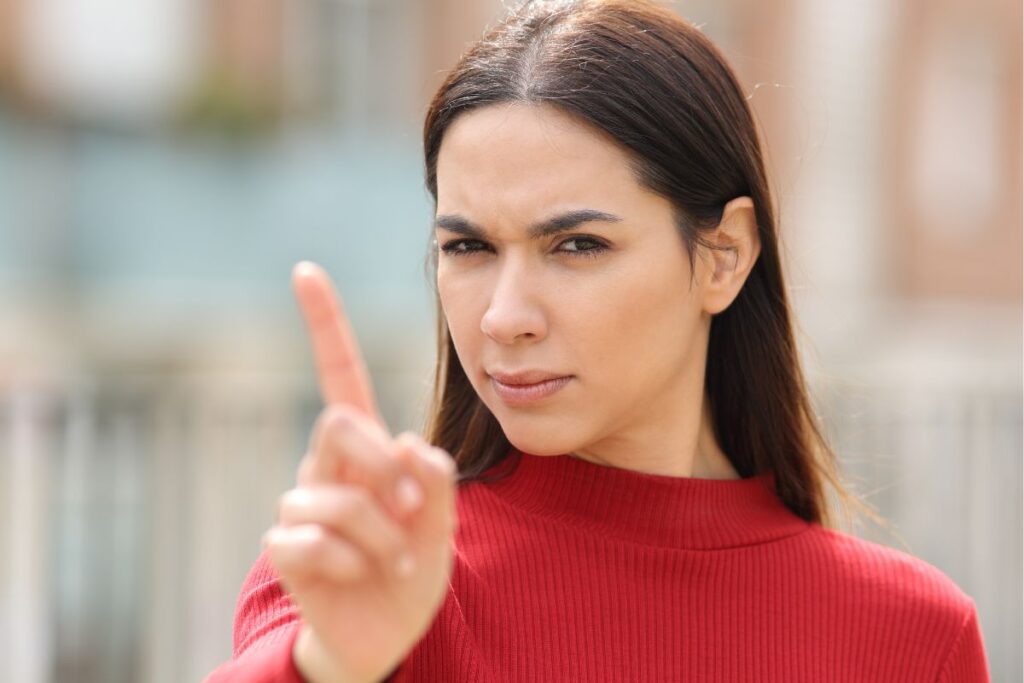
524 377
527 393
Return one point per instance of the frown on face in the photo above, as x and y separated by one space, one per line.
608 300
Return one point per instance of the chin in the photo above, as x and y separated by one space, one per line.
537 443
550 432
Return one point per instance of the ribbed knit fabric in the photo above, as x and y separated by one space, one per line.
571 571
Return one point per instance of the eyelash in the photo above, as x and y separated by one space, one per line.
452 247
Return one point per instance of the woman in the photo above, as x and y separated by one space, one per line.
640 489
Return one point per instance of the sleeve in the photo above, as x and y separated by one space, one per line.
449 651
966 661
266 626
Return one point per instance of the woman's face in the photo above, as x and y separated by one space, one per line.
606 301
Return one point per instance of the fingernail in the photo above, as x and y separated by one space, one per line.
408 493
406 565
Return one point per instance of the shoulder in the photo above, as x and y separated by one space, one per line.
912 601
889 578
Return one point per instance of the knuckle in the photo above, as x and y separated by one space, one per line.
321 428
344 415
267 540
354 567
281 552
290 501
345 561
394 542
393 472
342 418
334 418
311 546
346 421
337 428
325 418
351 504
444 462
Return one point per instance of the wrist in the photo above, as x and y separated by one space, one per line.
313 662
316 666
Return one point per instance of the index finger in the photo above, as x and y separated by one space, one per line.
341 371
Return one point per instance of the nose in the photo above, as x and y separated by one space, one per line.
513 313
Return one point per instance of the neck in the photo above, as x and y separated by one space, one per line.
698 456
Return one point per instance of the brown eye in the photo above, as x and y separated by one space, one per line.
593 250
461 247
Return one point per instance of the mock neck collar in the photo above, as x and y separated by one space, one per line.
659 510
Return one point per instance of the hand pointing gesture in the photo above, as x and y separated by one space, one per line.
363 543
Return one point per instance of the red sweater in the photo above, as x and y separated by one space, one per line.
571 571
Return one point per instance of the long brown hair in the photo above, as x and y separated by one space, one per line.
665 93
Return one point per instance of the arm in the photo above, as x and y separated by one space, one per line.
966 662
266 627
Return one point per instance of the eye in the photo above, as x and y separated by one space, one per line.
596 248
462 247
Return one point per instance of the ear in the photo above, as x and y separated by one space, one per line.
739 242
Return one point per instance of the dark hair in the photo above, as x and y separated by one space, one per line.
665 93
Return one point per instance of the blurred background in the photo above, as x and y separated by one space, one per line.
164 163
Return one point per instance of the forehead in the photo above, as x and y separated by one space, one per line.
527 159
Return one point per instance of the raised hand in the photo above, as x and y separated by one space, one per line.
363 543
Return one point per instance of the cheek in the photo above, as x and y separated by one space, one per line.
452 298
460 304
632 330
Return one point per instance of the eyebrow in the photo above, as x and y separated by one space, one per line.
551 226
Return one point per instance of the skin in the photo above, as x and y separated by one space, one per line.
625 322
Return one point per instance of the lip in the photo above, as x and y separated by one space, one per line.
523 394
524 377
